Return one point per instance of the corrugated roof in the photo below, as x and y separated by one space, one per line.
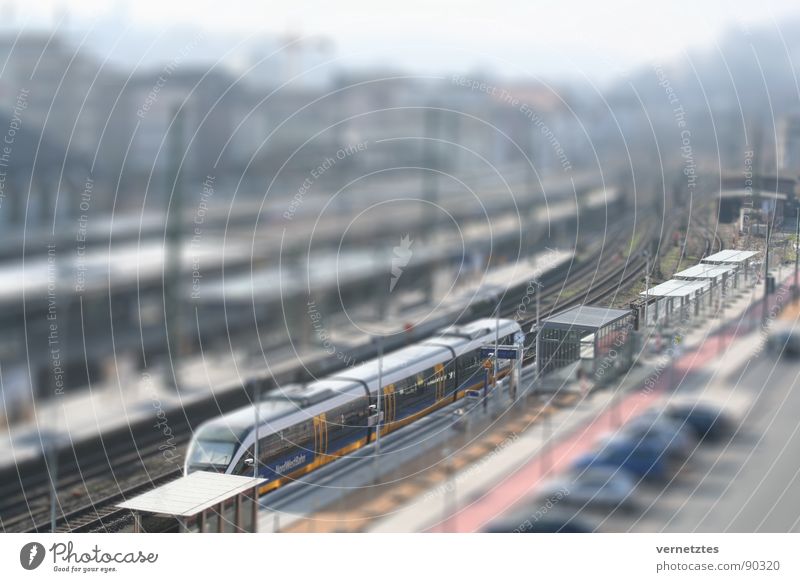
585 318
704 271
675 288
192 494
730 256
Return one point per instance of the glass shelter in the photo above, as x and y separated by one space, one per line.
599 336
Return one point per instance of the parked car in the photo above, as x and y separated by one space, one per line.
784 339
674 437
551 522
707 422
641 459
599 486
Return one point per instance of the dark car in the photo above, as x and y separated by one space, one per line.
602 487
706 422
664 432
554 522
784 340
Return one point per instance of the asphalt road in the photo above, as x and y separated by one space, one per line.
749 484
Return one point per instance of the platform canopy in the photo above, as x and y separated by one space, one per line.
675 288
188 496
704 271
730 256
585 318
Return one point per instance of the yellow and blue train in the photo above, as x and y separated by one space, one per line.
303 428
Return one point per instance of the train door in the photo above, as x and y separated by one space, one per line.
389 404
441 378
320 435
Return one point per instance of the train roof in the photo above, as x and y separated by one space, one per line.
275 405
465 338
414 359
479 328
242 420
402 362
303 395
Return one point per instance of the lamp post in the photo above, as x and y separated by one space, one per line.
50 452
174 240
536 339
646 285
547 435
257 419
765 304
496 345
487 365
378 405
796 251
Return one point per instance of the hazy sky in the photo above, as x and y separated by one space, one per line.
571 37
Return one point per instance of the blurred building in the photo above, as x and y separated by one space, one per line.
221 129
56 101
789 144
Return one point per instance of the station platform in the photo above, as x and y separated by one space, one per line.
509 477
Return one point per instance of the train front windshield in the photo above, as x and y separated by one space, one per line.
211 455
213 450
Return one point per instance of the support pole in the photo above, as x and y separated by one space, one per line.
378 407
538 330
52 467
256 411
765 304
486 369
546 466
254 510
380 395
796 249
646 285
174 240
496 346
237 514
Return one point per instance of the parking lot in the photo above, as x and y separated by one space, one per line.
745 482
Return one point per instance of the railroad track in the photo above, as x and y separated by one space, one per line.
91 488
103 511
598 285
89 496
102 471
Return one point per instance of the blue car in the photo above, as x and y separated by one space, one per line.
643 459
662 434
707 422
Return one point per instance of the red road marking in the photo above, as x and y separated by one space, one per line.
523 481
